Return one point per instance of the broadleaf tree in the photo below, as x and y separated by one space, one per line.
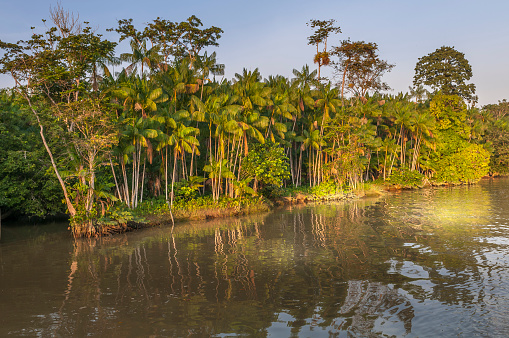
360 67
447 70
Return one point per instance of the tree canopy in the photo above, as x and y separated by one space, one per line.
447 70
360 67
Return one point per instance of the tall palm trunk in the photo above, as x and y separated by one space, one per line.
142 180
299 168
416 151
116 182
165 159
126 184
133 181
343 84
173 176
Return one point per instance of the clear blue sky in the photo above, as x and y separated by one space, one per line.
271 35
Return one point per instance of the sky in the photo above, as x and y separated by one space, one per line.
272 35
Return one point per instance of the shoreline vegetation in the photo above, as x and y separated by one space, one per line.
156 214
167 137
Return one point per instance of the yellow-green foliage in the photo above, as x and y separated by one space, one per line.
406 177
467 165
455 159
325 188
450 112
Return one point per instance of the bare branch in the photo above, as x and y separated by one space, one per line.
65 20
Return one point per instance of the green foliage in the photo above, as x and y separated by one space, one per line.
223 202
201 205
218 169
293 191
139 134
188 189
406 177
497 135
467 165
184 192
446 70
450 112
119 214
454 158
352 139
85 214
27 187
267 163
242 187
180 39
325 189
272 191
152 206
360 67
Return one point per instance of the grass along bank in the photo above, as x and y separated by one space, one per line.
193 207
155 212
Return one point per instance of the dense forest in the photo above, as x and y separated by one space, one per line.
166 127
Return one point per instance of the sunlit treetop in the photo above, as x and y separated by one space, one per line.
447 70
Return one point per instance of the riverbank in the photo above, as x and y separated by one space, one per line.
388 186
204 208
156 212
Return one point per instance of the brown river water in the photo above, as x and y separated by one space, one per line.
424 263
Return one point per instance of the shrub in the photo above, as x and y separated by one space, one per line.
273 191
406 177
467 165
188 189
266 163
324 189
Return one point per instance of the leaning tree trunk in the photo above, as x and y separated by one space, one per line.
70 207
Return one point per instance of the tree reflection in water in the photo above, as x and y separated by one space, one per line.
367 268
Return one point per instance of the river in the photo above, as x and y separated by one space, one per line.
424 263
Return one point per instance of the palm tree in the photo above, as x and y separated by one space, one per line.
327 102
142 55
279 108
304 78
312 140
141 95
205 65
183 140
404 113
102 64
168 121
251 123
389 148
424 126
136 136
418 93
227 132
178 82
248 76
218 170
250 91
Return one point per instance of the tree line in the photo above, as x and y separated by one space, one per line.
164 126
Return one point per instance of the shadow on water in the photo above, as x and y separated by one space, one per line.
14 231
420 263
